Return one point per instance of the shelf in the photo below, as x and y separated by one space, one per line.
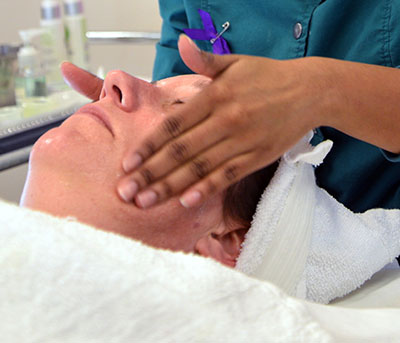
122 37
20 127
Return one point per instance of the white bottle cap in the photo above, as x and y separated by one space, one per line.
73 7
50 9
28 56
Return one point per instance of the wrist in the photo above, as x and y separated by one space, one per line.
323 92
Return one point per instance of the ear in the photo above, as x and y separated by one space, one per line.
224 247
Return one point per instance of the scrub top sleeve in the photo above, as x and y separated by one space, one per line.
168 62
390 156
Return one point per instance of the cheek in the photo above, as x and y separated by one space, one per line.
167 226
70 150
137 129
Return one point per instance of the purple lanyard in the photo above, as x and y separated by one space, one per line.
220 46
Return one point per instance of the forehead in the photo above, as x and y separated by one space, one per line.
183 85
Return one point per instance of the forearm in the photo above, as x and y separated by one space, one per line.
360 100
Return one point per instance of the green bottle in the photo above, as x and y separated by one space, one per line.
31 79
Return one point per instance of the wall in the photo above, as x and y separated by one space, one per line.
129 15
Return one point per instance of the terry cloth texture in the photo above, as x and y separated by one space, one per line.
307 243
62 281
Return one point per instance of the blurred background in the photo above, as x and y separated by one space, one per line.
126 15
120 15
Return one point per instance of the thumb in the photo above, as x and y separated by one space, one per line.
82 81
202 62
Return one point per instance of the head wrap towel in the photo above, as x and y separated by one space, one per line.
308 244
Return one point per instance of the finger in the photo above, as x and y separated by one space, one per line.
177 181
177 152
202 62
220 179
193 171
82 81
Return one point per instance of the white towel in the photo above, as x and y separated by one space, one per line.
301 231
61 281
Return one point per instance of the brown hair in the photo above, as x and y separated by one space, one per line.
241 199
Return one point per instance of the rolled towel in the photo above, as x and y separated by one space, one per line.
306 242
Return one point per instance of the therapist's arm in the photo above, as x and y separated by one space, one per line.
253 112
365 101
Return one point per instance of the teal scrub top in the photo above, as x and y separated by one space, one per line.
359 175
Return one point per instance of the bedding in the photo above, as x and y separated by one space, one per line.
62 281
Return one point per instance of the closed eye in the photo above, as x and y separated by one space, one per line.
168 106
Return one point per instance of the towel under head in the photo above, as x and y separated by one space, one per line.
306 242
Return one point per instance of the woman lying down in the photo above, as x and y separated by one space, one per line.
62 279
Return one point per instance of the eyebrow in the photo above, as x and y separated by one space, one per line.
167 105
197 84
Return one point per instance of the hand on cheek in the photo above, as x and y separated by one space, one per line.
251 113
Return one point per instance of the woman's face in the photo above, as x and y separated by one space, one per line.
74 169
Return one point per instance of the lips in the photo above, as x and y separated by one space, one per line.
99 114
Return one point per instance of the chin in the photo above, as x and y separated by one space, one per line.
53 154
50 149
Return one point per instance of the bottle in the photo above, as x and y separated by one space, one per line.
8 64
31 79
75 32
53 42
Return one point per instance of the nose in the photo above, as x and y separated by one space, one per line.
127 92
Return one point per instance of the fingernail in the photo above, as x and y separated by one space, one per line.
132 162
193 44
190 199
146 199
128 190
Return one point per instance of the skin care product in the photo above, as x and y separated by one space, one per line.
53 42
8 68
75 27
31 80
